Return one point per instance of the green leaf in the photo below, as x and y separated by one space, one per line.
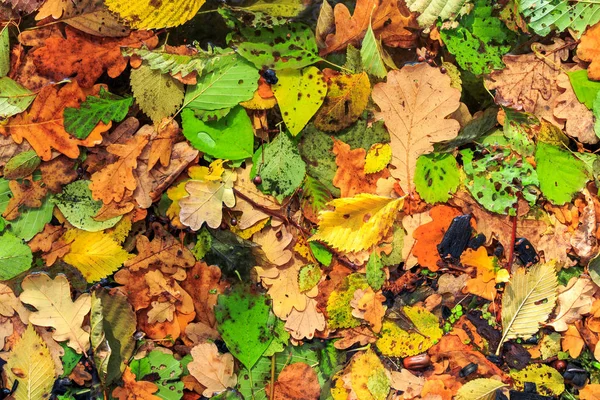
321 253
80 122
4 51
375 273
561 174
230 138
69 360
370 55
316 148
283 169
232 81
21 165
245 322
395 257
436 177
203 244
158 95
597 114
290 46
308 277
281 338
546 15
314 194
299 95
170 387
496 179
14 98
278 8
585 89
431 10
5 194
32 220
77 205
15 256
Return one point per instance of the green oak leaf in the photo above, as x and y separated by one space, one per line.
80 122
283 169
436 177
230 138
561 174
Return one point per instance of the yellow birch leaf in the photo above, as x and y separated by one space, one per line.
95 254
32 359
357 223
151 14
52 299
378 157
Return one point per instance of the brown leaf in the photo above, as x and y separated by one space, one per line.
275 242
414 104
303 324
407 382
116 179
297 381
579 121
368 305
50 243
204 284
589 50
361 335
574 301
134 287
42 126
350 176
389 19
8 148
57 173
161 142
28 193
85 58
134 390
213 370
163 250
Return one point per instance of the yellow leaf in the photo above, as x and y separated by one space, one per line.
52 299
275 243
150 14
248 232
31 358
96 254
479 389
368 377
346 100
357 223
299 95
549 381
213 370
378 157
205 201
161 312
484 284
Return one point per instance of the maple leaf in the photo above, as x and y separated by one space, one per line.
574 301
389 19
52 299
116 179
43 126
414 104
205 200
59 58
357 223
164 250
135 390
213 370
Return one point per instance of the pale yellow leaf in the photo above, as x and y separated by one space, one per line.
213 370
574 301
55 309
161 312
275 245
31 359
304 324
479 389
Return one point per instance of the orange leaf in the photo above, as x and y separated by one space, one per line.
428 236
296 381
134 390
590 392
350 176
390 18
84 57
162 141
29 193
43 125
589 50
572 341
204 285
484 284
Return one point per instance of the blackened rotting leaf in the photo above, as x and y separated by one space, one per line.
457 238
233 254
526 253
484 329
515 355
515 395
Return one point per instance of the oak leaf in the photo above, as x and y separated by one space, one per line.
43 126
303 324
134 287
161 312
163 250
429 235
484 283
58 172
135 390
407 382
213 370
275 243
589 50
414 104
572 341
296 381
250 214
574 301
52 299
116 179
84 57
350 336
357 223
204 285
590 392
162 141
578 120
28 193
350 176
389 19
368 305
50 243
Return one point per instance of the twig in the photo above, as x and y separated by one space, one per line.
513 238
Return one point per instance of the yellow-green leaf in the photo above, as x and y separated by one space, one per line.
158 95
150 14
96 254
299 95
528 300
479 389
378 156
548 381
31 359
346 100
357 223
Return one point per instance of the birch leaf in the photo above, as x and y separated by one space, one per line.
522 310
52 299
31 356
149 14
479 389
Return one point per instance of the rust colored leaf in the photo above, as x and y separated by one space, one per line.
429 235
204 285
296 381
589 50
28 193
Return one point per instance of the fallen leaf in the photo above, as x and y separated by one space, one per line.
407 382
296 381
350 176
133 389
579 121
429 235
303 324
574 301
213 370
587 50
275 242
484 283
368 305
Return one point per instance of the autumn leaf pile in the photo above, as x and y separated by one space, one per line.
296 199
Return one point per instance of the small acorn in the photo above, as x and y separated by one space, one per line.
257 180
420 361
